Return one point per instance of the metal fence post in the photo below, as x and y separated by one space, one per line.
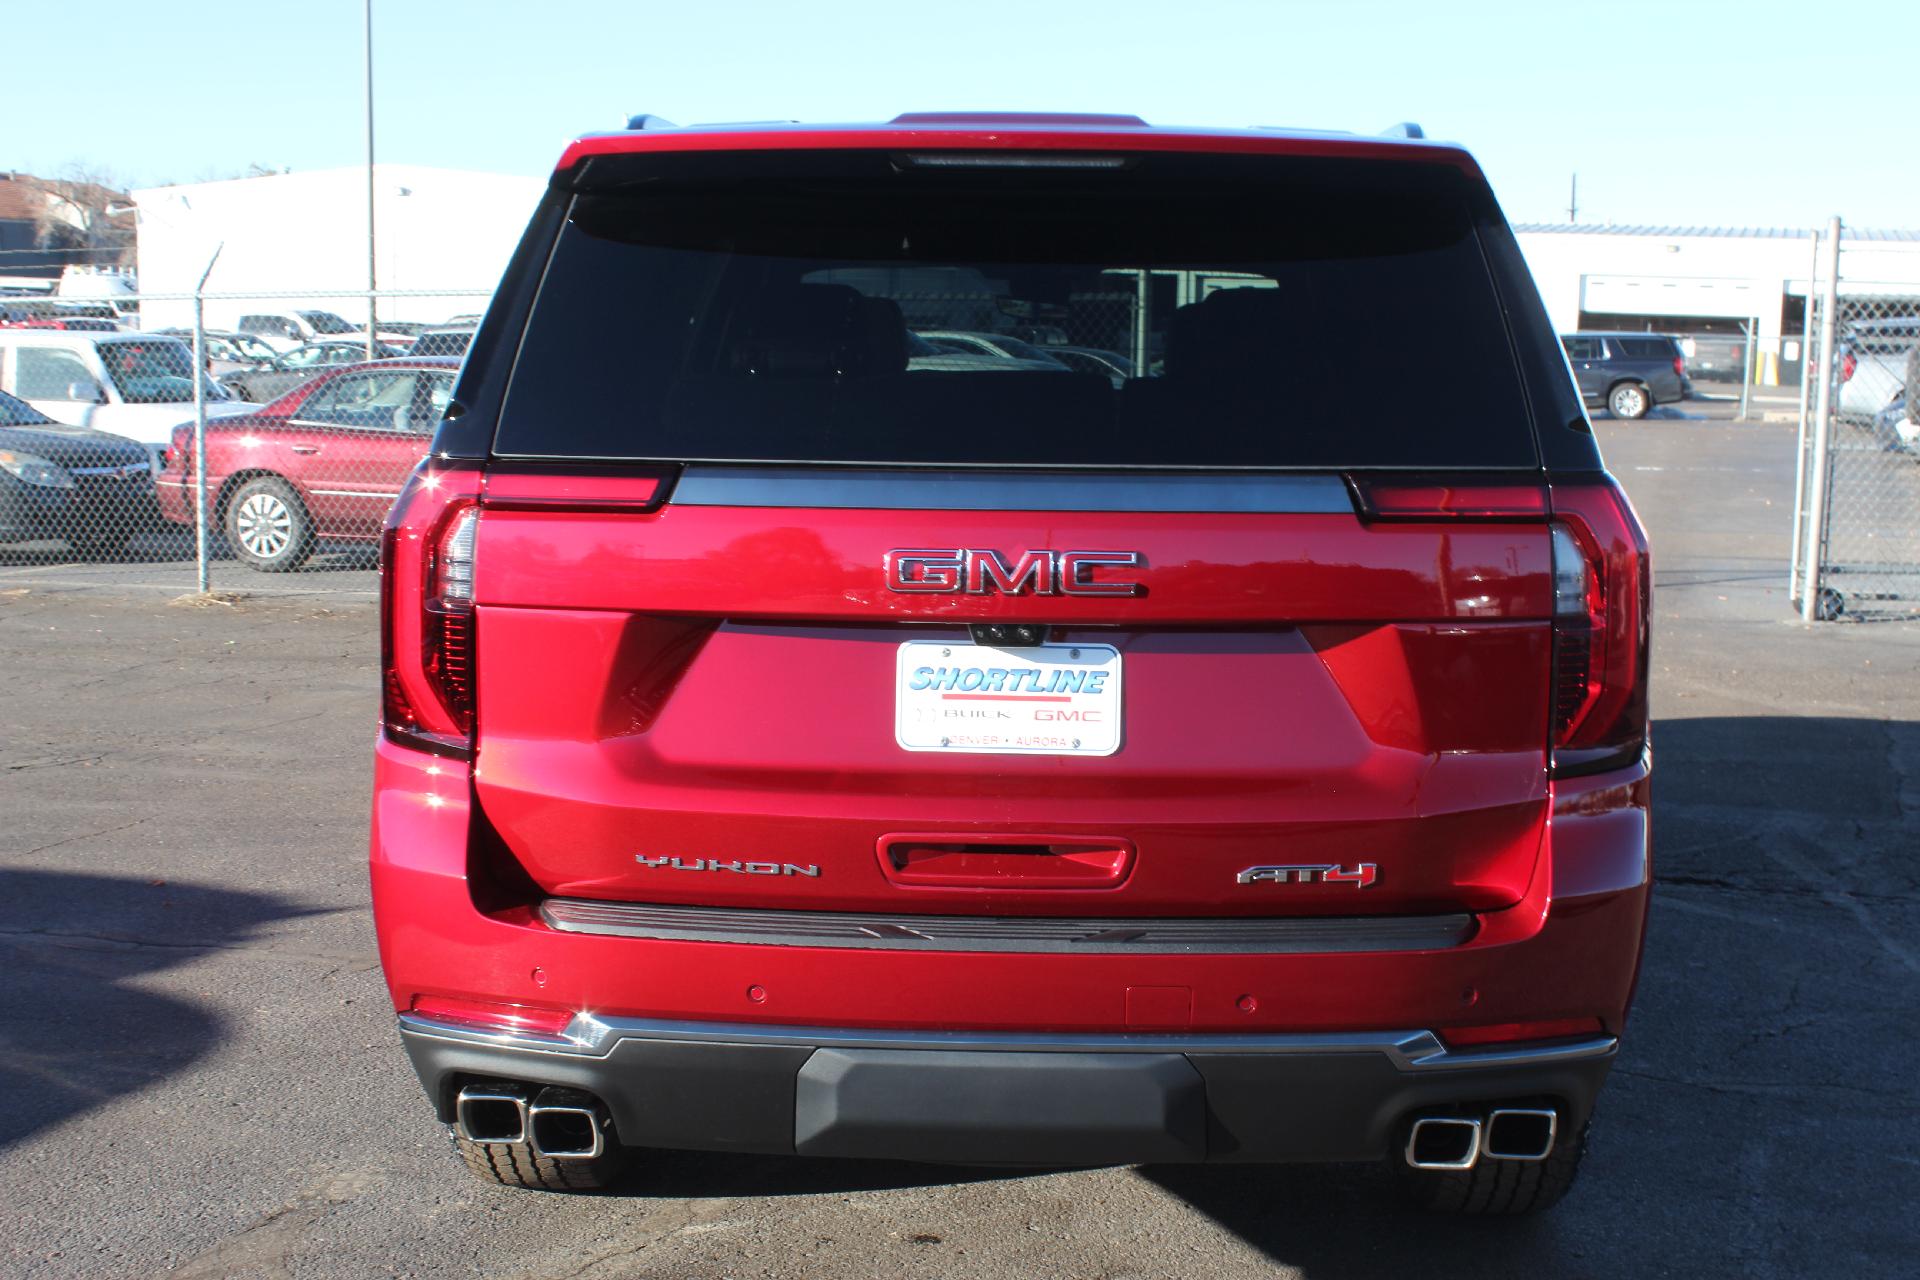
1800 442
1822 428
201 575
1752 329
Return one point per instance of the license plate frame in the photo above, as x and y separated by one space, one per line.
1025 701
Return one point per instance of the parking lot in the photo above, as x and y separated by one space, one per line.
199 1074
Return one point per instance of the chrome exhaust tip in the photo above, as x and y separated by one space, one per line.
565 1124
1521 1133
1443 1142
492 1113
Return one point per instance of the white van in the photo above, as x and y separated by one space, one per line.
137 385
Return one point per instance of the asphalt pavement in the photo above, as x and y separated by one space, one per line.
199 1074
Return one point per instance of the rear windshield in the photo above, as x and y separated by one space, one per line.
1253 312
1646 348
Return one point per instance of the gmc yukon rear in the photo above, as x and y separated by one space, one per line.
800 737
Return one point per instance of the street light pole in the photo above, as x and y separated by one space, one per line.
373 279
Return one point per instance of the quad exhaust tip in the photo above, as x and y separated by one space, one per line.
559 1124
1459 1142
1521 1133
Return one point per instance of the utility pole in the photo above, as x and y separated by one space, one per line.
1573 192
373 280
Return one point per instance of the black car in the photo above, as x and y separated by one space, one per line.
1629 373
87 488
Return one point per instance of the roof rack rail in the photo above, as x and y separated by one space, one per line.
645 121
1405 129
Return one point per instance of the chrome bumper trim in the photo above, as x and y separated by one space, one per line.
592 1036
1060 935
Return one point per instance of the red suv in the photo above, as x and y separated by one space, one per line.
796 744
324 461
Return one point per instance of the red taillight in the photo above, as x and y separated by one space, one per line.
427 628
1680 365
1602 587
180 451
1848 363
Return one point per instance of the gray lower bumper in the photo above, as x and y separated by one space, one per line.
1007 1099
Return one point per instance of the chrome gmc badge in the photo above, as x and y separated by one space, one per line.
1362 875
967 571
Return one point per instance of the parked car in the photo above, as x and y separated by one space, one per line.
1871 363
444 340
137 385
791 748
999 345
324 461
1628 373
229 352
285 330
65 317
86 488
1109 364
302 364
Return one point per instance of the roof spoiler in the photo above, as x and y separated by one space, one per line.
645 121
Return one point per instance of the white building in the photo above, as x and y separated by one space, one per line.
1709 280
304 235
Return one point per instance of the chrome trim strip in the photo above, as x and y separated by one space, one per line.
1060 935
129 470
945 490
592 1036
357 493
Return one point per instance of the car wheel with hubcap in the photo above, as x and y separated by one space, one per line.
268 526
1629 400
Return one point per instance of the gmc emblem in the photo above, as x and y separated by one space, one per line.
1362 875
964 571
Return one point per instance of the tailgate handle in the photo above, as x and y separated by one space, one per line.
1005 862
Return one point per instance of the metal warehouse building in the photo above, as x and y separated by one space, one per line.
305 234
1711 280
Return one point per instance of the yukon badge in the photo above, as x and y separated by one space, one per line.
966 571
1362 875
735 865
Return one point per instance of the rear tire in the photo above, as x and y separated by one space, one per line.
1629 400
268 526
513 1164
1497 1188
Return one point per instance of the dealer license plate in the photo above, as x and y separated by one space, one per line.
1052 700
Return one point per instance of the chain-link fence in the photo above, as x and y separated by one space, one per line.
1857 508
273 468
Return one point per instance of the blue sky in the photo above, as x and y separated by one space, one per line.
1681 111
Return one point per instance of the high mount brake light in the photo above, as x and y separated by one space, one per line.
427 628
1602 586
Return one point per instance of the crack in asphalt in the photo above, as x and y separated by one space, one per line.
110 942
1908 1100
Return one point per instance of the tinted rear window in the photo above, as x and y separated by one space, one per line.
769 308
1646 348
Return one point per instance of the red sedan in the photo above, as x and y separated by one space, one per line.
326 460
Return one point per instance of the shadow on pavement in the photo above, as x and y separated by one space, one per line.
1774 1018
77 1026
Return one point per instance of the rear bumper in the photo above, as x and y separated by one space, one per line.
1277 1055
976 1098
